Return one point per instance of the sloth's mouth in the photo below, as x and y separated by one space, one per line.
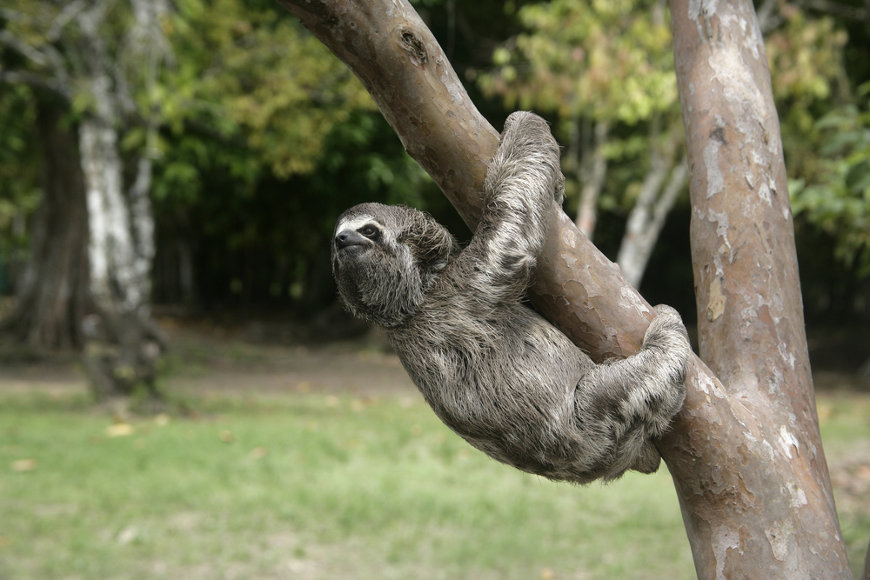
352 248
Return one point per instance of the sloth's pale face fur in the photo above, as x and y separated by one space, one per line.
492 369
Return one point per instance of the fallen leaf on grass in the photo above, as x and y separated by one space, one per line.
825 410
119 430
20 465
127 535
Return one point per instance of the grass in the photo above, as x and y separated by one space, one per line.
317 486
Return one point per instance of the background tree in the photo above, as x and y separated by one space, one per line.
253 109
242 190
93 242
53 290
605 69
750 507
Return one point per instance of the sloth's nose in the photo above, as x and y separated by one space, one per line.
347 238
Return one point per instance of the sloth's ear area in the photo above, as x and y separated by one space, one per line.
430 243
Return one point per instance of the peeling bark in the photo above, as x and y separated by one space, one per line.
741 480
772 511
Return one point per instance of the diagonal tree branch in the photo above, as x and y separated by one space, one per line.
391 50
34 80
708 452
23 48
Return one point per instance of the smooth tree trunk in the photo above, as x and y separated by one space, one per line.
119 270
124 345
53 296
647 218
666 177
588 148
747 462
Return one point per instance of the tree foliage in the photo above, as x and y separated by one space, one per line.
837 201
612 63
245 75
19 192
598 60
263 137
603 59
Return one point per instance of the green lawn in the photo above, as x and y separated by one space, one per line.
323 486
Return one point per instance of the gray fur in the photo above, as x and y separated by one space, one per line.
492 369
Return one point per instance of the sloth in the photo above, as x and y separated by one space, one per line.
492 369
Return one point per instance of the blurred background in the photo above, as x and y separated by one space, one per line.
170 174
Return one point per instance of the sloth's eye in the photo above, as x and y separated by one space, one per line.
371 232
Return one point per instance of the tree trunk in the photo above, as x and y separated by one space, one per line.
750 312
123 344
119 273
647 218
591 171
94 241
53 296
747 464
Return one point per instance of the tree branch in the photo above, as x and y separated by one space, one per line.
64 17
44 57
34 80
398 60
391 50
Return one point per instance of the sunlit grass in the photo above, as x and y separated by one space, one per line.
314 486
845 426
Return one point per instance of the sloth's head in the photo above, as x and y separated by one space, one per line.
385 258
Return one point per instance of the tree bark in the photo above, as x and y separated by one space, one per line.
124 345
751 485
750 313
53 296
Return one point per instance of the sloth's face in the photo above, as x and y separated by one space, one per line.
362 243
356 241
355 235
384 259
373 270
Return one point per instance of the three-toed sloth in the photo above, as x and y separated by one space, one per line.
491 368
